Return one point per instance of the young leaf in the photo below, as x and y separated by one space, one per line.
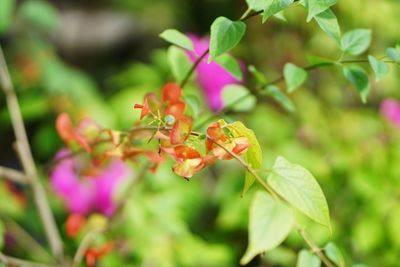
299 187
177 38
270 222
260 78
230 64
294 76
233 92
356 42
179 62
281 98
316 7
307 259
380 68
6 14
274 6
320 61
329 24
359 78
253 156
225 35
393 53
334 254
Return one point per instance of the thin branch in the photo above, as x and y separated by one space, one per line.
27 161
192 69
314 248
13 175
11 261
85 244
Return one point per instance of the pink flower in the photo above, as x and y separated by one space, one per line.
211 77
390 109
85 188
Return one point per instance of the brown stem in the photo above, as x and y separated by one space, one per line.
27 161
314 248
13 175
11 261
192 69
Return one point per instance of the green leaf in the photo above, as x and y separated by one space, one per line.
359 78
393 53
316 7
329 24
7 8
356 42
230 64
260 78
334 254
320 61
179 62
273 7
280 97
193 104
380 68
177 38
225 35
233 92
294 76
253 156
39 13
299 187
307 259
257 5
270 222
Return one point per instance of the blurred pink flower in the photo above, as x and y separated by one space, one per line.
390 109
211 77
91 192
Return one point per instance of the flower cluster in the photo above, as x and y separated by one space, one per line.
174 130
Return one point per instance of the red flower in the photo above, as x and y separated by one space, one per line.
92 255
74 224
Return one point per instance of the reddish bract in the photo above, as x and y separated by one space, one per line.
181 130
74 224
92 255
69 133
171 92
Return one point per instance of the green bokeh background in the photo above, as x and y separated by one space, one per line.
350 148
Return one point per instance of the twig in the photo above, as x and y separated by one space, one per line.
13 175
194 66
11 261
85 244
28 163
314 248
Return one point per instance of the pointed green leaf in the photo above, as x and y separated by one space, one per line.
232 93
316 7
273 7
294 76
177 38
329 24
256 5
321 62
6 13
253 156
230 64
225 35
299 187
307 259
270 222
280 97
179 62
334 254
260 78
356 42
359 78
393 53
380 68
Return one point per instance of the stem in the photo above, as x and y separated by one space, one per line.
192 69
314 248
27 161
11 261
13 175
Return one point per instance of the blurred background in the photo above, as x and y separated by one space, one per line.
97 58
